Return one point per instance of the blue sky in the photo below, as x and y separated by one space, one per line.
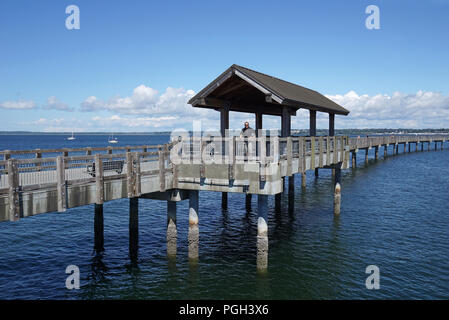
399 72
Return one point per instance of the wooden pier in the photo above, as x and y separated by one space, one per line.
47 180
57 180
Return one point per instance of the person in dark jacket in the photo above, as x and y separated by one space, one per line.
247 132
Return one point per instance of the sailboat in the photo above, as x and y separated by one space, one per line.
72 137
111 139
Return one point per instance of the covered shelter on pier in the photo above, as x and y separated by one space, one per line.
244 90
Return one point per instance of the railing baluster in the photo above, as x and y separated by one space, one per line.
13 182
161 170
99 183
60 184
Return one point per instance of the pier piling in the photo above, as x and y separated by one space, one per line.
277 202
291 193
248 199
337 192
133 228
172 232
98 228
262 233
224 200
194 233
303 179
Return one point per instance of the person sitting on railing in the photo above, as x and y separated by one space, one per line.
247 132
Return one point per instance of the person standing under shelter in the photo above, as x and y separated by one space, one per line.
247 132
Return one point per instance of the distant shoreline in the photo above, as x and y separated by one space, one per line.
294 131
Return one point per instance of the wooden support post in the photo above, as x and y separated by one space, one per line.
302 157
60 184
161 170
376 152
277 202
99 200
291 193
232 153
138 176
331 124
224 200
337 192
172 232
194 234
99 185
321 152
248 198
335 150
303 179
130 179
346 152
38 156
312 153
312 123
224 125
262 233
289 156
385 150
316 172
98 228
258 123
354 159
328 150
285 122
409 144
366 156
13 192
422 146
133 228
342 149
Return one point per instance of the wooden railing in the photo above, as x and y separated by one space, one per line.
47 153
368 142
21 175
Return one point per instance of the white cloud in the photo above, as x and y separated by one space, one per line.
55 104
147 110
399 110
21 104
143 101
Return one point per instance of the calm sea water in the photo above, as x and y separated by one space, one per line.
395 214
